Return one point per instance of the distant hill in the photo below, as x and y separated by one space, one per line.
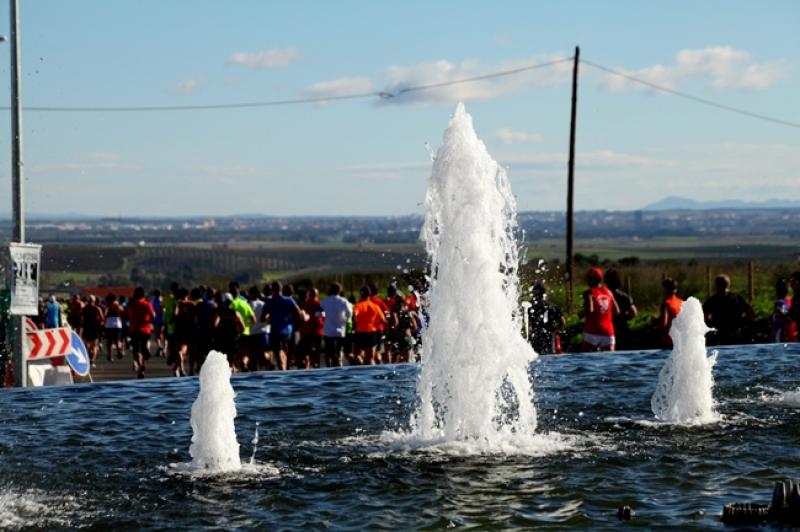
676 203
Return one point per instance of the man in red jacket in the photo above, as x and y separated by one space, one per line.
140 315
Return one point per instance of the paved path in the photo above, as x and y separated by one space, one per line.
122 369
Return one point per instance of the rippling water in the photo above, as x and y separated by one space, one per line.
108 456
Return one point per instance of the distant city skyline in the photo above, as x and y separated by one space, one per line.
368 156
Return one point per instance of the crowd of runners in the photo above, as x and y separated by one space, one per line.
258 329
277 327
607 310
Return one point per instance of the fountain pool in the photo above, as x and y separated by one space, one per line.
102 455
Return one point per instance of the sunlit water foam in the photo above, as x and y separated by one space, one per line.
474 388
31 508
684 393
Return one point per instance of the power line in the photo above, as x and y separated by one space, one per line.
693 98
298 101
478 78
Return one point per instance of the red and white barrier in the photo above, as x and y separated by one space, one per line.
48 343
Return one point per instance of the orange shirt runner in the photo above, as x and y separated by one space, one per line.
368 317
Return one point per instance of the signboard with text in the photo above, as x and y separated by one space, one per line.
24 281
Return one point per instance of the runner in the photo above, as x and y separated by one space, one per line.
243 309
784 328
52 317
280 312
670 308
369 321
311 329
75 313
113 327
599 309
228 328
337 312
92 319
185 319
141 315
158 323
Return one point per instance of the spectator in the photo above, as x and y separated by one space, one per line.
544 322
598 310
627 310
243 309
337 312
727 313
670 308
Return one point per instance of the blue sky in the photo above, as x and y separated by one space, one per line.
368 156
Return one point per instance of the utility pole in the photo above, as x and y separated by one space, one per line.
20 377
569 266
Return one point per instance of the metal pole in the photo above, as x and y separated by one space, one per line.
20 369
571 184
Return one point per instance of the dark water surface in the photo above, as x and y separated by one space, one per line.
98 456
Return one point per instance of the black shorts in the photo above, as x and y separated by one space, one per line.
279 342
333 345
367 340
139 344
90 334
113 334
258 341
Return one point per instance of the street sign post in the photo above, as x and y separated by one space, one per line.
24 278
78 357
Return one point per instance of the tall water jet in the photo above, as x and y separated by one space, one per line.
474 384
684 393
214 448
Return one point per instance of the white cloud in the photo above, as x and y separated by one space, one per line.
339 87
722 67
272 58
187 86
511 136
399 78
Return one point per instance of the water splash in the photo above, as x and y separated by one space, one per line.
214 448
254 441
474 384
684 393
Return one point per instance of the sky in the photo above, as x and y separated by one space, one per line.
368 156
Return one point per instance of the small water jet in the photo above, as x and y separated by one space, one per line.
474 384
214 448
684 393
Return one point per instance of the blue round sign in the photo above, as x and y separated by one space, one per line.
78 357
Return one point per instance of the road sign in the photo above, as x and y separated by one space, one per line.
48 343
24 281
78 357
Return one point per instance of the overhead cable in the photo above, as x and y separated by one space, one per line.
692 97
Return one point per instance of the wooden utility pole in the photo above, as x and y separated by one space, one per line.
568 271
